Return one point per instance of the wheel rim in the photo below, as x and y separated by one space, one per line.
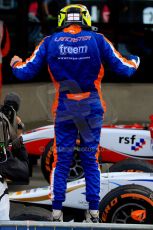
123 213
76 170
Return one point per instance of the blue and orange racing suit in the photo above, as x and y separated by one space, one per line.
75 60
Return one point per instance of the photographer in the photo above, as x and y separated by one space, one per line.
14 159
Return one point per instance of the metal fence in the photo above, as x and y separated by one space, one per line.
36 225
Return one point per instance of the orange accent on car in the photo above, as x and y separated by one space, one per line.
19 193
138 215
47 161
138 196
75 188
133 170
33 199
78 96
49 196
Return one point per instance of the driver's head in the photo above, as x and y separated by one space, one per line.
12 99
74 14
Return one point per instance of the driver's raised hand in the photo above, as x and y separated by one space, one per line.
14 60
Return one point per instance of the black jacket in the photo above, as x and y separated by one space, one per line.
16 168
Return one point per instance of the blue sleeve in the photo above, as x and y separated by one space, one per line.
31 67
115 60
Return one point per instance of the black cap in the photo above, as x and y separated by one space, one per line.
12 99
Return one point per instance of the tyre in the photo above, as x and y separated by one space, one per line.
76 170
128 204
22 212
131 165
47 160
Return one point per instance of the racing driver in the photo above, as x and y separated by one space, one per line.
75 55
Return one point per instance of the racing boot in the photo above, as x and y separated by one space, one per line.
92 216
57 215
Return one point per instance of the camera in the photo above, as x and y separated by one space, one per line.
8 123
9 112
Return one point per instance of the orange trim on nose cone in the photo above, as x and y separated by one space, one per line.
97 84
78 96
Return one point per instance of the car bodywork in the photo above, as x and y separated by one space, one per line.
75 195
116 143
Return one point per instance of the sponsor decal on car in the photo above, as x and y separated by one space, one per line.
109 206
136 144
127 140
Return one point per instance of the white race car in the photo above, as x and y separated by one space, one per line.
125 198
128 147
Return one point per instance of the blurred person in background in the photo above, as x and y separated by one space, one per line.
105 14
14 163
4 47
34 24
75 56
51 9
33 8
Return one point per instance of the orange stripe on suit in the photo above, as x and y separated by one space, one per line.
97 83
54 108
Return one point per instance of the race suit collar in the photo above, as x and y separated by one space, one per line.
73 29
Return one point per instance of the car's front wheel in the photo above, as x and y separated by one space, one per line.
128 204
